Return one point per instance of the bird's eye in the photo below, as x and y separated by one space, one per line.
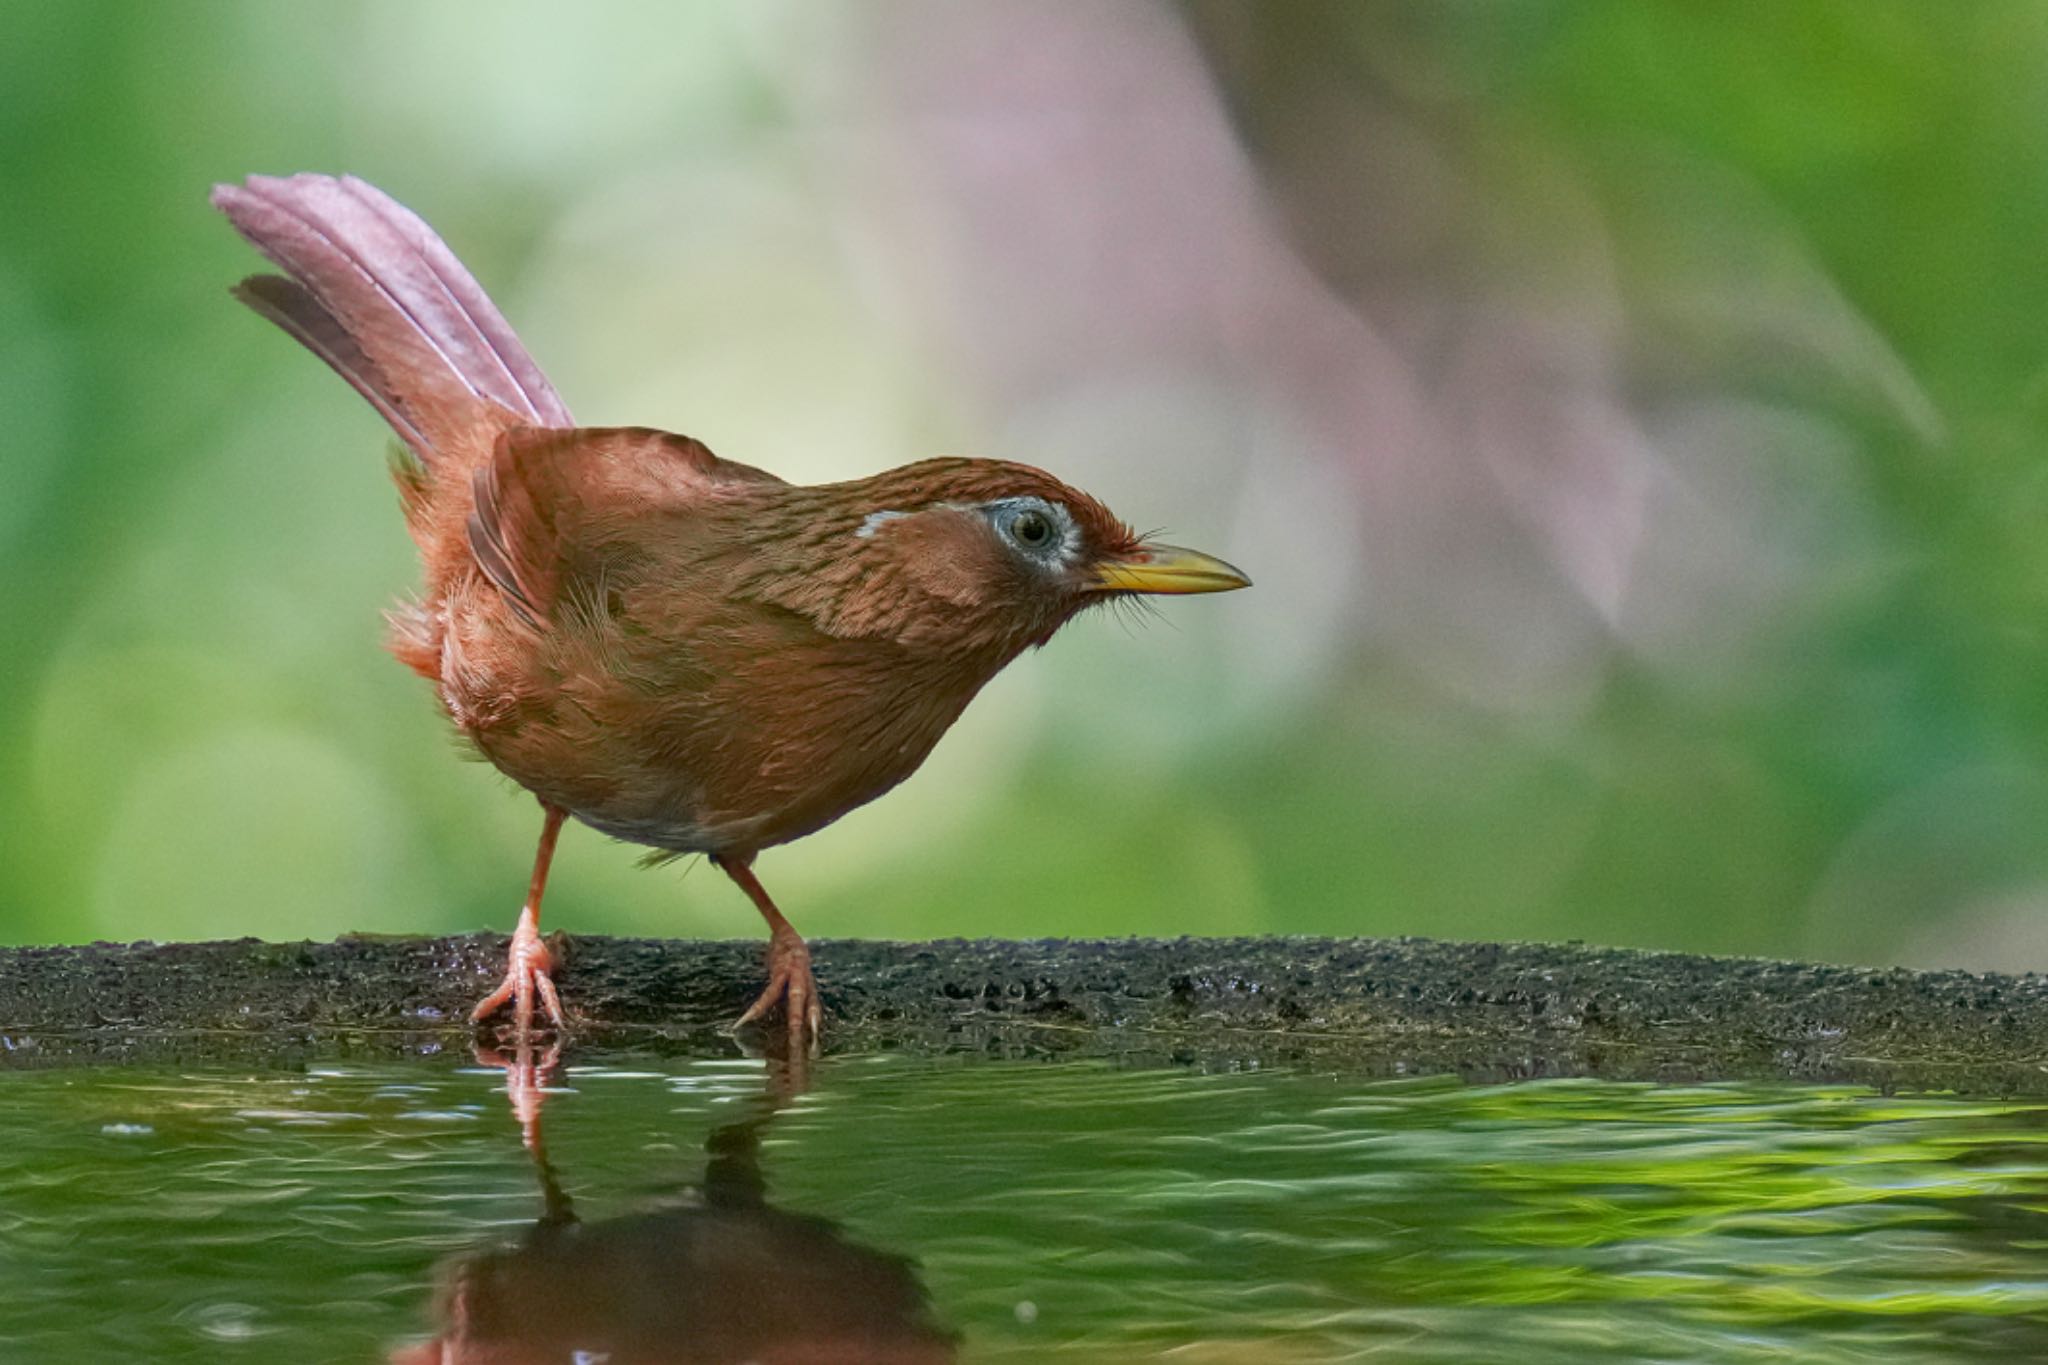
1032 530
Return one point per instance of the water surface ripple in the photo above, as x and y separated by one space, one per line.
1007 1211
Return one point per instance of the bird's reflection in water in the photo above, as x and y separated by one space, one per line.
716 1276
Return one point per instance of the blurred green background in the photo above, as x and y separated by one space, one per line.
1632 414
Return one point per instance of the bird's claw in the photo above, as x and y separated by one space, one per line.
791 984
527 975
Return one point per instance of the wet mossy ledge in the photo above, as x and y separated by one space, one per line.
1485 1011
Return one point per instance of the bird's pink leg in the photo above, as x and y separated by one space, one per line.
789 960
528 973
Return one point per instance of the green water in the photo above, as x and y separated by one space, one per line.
999 1211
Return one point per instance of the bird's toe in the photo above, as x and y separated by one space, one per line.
528 978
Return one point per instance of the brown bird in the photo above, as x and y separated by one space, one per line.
678 650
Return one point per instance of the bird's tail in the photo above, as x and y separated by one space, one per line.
374 293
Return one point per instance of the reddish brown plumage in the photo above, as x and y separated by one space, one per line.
678 650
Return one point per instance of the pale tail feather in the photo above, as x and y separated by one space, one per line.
380 298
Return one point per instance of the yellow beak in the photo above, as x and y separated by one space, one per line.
1167 568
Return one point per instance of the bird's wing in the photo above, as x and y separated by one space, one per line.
555 511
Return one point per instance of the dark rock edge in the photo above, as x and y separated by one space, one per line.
1485 1011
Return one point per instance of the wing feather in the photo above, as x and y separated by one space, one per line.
555 510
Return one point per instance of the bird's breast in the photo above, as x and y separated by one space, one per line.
727 739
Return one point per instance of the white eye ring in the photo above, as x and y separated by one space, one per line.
1039 529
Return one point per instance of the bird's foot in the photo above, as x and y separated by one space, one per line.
791 983
528 975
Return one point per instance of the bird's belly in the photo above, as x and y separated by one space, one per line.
654 831
708 825
616 792
724 761
676 807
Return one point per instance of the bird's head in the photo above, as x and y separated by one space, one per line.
984 554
